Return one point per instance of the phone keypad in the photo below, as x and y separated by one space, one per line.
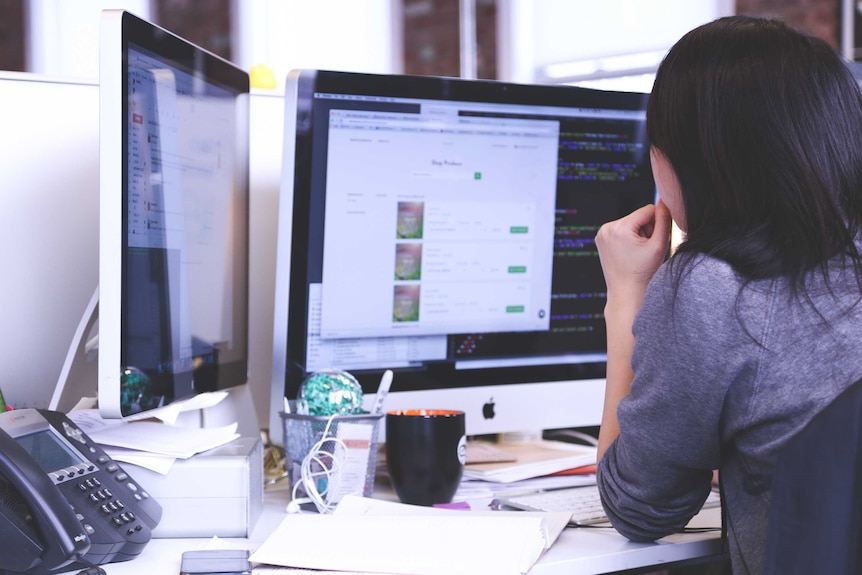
110 506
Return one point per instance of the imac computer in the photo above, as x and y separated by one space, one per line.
444 229
174 209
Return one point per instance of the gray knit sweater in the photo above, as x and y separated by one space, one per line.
722 379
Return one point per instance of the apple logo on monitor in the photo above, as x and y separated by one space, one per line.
488 409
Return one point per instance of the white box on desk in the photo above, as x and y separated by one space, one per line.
217 492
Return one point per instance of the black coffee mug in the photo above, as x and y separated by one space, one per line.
425 453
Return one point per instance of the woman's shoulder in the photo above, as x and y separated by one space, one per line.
704 302
697 274
702 289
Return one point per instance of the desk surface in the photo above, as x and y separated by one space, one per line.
577 551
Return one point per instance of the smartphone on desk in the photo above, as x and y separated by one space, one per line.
216 562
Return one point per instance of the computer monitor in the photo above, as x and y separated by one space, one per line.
444 229
174 208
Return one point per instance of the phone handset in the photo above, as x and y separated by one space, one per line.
62 533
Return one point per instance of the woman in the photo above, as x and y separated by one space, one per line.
721 353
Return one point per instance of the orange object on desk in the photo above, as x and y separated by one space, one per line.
582 470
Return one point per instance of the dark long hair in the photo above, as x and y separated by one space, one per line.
763 126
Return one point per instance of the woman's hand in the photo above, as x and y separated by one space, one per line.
631 249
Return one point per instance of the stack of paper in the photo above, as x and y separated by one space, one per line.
532 459
154 445
369 535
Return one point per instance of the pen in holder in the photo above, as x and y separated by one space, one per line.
328 457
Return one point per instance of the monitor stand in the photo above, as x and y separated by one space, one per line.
77 385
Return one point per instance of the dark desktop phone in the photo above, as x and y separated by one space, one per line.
63 500
216 562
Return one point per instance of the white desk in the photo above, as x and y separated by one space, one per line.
582 551
577 551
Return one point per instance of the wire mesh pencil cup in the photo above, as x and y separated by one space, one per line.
303 432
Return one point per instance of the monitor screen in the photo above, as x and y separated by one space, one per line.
444 229
174 204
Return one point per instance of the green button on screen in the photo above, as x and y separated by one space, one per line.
514 309
517 269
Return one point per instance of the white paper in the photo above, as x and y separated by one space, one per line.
171 412
275 570
153 461
349 475
534 459
165 439
385 537
148 444
470 487
553 522
90 421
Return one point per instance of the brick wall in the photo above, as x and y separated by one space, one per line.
822 18
206 24
431 35
12 35
432 39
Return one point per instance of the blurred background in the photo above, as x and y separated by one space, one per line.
608 43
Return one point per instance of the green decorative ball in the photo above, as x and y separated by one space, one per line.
137 391
331 393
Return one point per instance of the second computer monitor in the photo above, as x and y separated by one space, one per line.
174 205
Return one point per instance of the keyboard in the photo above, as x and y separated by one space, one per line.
583 502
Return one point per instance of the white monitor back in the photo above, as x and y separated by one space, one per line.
49 230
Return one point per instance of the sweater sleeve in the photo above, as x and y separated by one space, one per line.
689 349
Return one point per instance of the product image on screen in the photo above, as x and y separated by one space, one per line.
445 229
